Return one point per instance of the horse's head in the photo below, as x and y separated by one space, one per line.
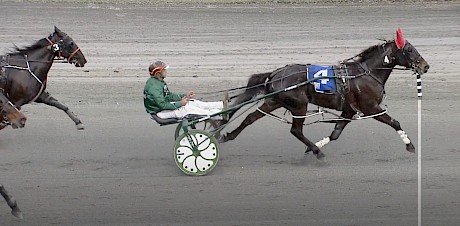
64 45
12 115
406 55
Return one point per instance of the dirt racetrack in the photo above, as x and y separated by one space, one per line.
120 169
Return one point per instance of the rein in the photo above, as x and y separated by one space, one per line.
395 68
251 87
248 88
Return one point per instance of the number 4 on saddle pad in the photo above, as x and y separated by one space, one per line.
325 85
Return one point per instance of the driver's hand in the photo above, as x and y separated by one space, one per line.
184 101
190 94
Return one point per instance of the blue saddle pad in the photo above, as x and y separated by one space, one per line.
325 85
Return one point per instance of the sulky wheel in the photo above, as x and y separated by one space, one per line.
196 152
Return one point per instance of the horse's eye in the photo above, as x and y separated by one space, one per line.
409 49
71 44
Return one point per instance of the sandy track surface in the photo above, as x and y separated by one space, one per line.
120 169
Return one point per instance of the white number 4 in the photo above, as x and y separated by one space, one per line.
322 73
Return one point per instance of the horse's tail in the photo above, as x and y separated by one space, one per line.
255 86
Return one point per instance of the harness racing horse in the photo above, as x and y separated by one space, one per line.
23 77
362 92
24 72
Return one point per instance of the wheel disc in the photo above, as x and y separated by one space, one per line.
196 153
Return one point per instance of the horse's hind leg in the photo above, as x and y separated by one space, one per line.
385 118
251 118
297 131
11 202
47 99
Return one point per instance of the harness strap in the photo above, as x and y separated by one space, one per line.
274 116
359 117
42 86
342 81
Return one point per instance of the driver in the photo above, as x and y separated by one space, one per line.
165 104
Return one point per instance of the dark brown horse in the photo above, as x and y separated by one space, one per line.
360 90
24 72
23 77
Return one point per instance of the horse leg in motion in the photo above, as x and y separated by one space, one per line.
385 118
297 131
338 129
47 99
251 118
296 128
11 202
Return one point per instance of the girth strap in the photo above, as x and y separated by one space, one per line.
342 82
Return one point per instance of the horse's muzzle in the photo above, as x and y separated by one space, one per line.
78 59
422 67
78 63
19 123
425 69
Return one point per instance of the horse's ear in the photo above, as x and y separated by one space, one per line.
400 40
57 30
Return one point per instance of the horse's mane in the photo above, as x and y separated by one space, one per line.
369 52
21 50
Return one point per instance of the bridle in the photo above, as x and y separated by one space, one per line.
405 53
57 48
412 62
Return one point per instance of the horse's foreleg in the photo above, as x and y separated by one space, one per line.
251 118
385 118
47 99
338 129
11 202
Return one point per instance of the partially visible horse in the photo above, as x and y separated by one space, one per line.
24 72
11 114
361 94
23 77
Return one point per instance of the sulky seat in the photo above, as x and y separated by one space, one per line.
169 121
164 121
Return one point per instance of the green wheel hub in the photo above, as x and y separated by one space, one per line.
196 153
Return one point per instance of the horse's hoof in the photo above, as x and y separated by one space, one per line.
17 213
321 162
307 149
80 126
410 148
320 156
222 139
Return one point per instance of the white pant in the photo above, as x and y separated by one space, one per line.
193 107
